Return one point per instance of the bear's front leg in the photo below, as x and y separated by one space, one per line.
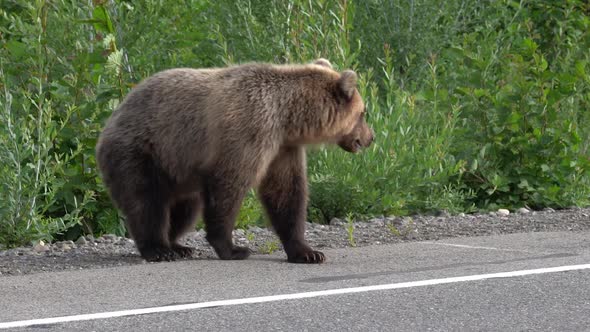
223 196
283 193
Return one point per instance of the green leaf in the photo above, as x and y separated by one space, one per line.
529 45
581 68
480 93
17 48
523 184
514 117
543 65
103 19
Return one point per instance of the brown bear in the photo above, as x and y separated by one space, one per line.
188 142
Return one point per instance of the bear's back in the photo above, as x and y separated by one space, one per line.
189 118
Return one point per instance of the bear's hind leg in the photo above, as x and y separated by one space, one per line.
223 197
183 217
142 192
146 225
283 193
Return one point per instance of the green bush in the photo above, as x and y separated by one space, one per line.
475 104
525 96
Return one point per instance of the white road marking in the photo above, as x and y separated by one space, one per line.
261 299
472 247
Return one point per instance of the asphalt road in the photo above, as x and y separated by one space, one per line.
418 294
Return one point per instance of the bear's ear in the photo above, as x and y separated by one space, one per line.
323 62
347 83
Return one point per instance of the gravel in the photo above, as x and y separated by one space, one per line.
111 250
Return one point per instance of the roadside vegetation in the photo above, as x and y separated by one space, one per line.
476 105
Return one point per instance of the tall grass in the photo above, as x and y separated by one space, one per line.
475 104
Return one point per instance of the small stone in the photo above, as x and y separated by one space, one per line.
256 229
40 247
90 238
523 210
407 220
62 244
81 241
462 215
122 241
66 247
503 212
239 232
549 209
110 237
336 222
493 214
377 222
392 220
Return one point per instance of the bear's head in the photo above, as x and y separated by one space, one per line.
329 109
360 135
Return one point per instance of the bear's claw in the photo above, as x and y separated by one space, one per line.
183 251
309 257
236 253
158 254
240 253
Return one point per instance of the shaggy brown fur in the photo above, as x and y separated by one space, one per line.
190 142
